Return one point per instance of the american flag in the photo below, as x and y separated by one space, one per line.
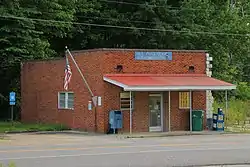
68 74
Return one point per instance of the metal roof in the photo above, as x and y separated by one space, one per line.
160 82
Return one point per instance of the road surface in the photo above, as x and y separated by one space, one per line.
110 151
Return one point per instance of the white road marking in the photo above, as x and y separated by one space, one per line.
107 147
128 152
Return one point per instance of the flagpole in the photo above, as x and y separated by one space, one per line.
79 70
86 83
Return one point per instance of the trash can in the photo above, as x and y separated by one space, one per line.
197 120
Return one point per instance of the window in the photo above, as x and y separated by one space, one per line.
125 101
65 100
184 100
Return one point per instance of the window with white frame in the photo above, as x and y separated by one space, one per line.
125 101
184 100
65 100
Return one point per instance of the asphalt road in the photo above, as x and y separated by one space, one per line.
109 151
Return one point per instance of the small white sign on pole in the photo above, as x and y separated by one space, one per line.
89 105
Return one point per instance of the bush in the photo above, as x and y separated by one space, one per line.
238 111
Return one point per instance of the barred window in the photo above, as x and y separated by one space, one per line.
125 101
184 100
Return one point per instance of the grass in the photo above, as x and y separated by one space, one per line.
9 165
19 127
235 130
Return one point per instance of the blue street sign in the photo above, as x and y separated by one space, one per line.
12 98
12 103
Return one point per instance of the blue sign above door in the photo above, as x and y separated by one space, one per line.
153 55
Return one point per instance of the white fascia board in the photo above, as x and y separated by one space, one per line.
176 88
115 82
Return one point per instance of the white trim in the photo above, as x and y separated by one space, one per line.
169 111
163 88
190 111
115 82
162 112
130 113
155 94
157 128
66 101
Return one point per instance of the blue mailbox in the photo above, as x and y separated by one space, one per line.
115 119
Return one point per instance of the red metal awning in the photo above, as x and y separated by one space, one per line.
160 82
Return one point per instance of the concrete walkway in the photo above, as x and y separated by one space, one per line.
228 166
166 134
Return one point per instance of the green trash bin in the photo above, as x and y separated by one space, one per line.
197 120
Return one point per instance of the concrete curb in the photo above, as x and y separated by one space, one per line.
19 132
183 134
243 164
47 132
74 132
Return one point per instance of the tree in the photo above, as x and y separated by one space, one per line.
223 34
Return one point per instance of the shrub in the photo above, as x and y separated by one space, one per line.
238 111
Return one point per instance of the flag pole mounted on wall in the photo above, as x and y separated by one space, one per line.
94 98
79 70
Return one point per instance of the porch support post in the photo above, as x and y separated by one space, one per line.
169 111
130 112
226 99
190 114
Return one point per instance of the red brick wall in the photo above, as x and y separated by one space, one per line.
42 80
180 64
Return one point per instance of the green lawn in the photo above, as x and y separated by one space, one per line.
237 129
9 165
17 127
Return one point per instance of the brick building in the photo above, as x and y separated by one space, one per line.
157 87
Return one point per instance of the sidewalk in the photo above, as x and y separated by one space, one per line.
168 134
226 166
128 135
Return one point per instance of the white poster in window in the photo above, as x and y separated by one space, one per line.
99 101
156 107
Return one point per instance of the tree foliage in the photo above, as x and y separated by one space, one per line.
39 29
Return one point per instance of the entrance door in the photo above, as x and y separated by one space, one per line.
155 112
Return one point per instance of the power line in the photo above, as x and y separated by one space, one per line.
156 6
119 19
108 18
126 27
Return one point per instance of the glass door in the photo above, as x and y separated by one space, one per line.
155 112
